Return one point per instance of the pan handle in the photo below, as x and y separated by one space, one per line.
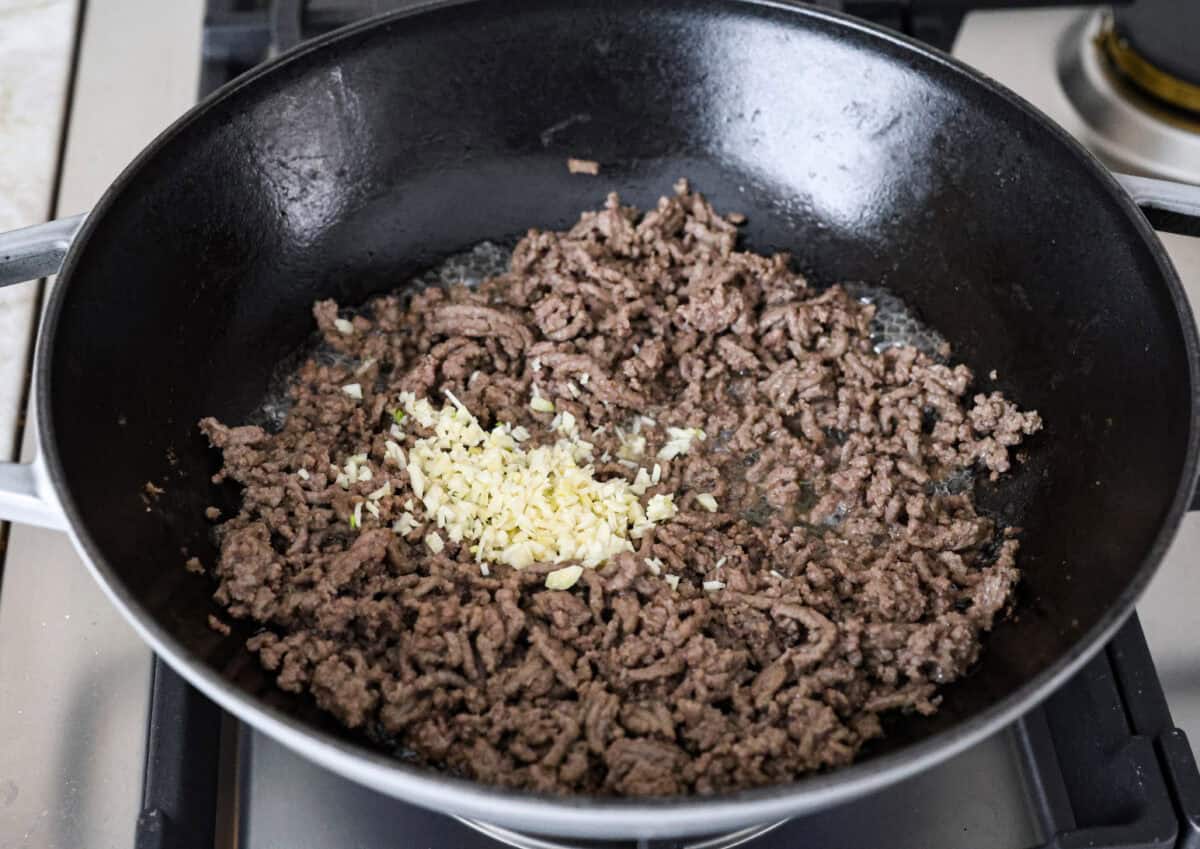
26 495
37 251
1171 207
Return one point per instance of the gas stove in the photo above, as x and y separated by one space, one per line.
102 745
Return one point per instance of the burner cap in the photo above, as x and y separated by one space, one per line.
1152 44
1131 129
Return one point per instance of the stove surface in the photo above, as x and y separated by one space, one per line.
75 692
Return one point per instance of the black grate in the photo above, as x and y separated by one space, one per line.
179 787
239 34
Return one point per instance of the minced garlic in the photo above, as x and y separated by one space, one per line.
679 441
564 578
633 446
356 469
564 423
641 482
660 508
520 506
405 524
539 404
392 451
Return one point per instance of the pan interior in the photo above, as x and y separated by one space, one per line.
350 167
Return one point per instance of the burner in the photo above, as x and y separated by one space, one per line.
526 841
1130 128
1153 43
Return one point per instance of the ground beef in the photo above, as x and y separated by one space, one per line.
857 574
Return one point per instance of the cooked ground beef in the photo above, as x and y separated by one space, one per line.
857 576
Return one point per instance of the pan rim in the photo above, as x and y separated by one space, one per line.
583 816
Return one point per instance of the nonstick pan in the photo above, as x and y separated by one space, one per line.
346 165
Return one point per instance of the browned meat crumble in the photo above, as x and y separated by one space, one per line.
856 581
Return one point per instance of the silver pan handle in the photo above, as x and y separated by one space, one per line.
37 251
1165 196
26 495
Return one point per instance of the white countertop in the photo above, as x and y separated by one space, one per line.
72 736
35 65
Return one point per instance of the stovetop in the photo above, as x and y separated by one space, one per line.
102 745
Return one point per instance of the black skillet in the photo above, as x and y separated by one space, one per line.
348 164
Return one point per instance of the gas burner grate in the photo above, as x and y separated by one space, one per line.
1131 129
239 34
